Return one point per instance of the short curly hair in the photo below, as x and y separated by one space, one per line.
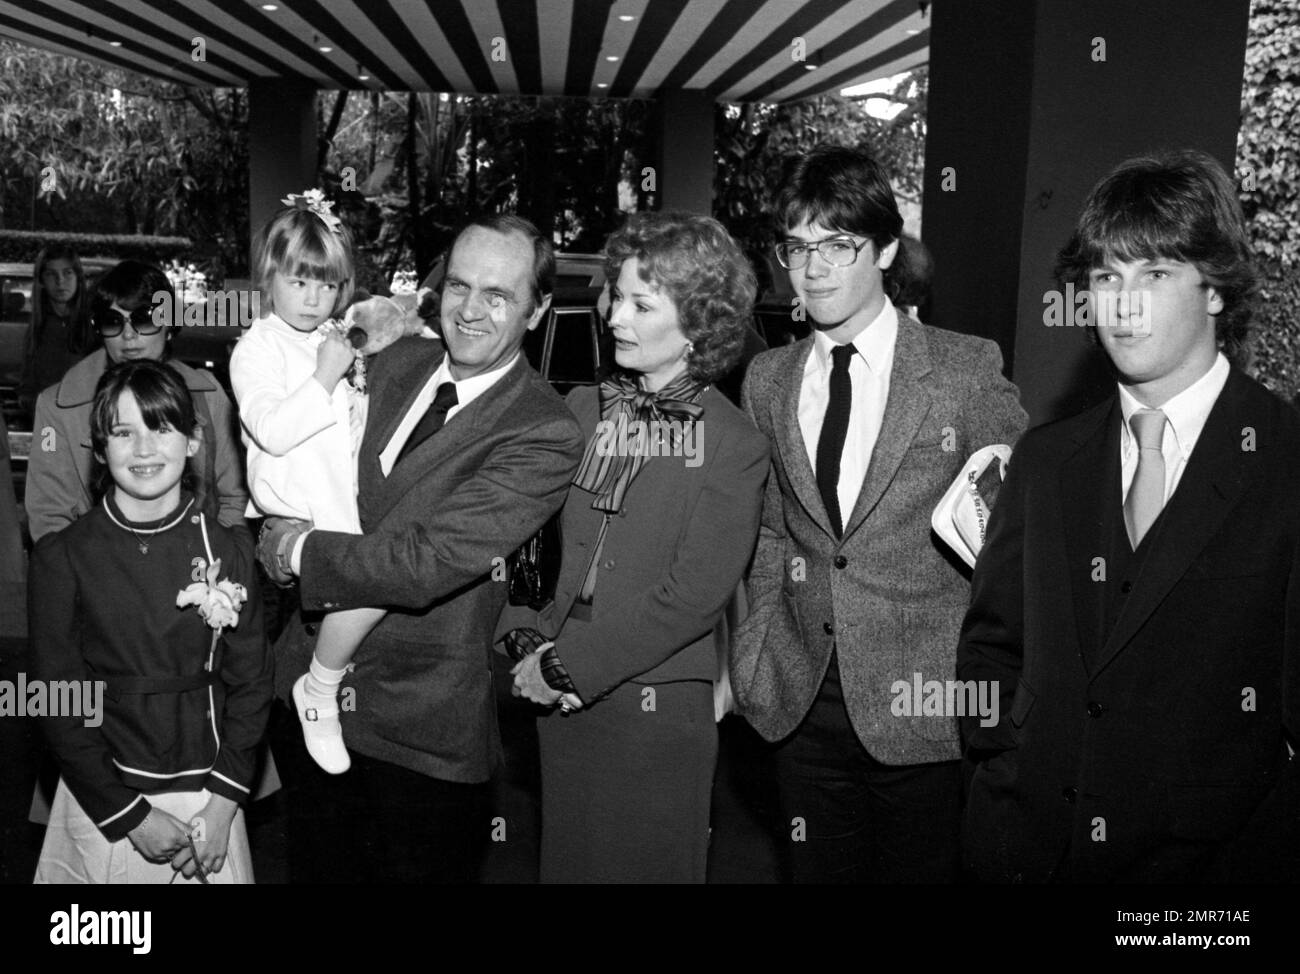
1179 205
703 270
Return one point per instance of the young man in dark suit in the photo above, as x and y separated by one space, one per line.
1137 602
466 454
870 419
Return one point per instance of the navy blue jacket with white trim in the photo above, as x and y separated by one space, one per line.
100 609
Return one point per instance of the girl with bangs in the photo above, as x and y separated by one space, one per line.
160 755
303 425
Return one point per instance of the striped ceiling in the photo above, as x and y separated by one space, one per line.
735 50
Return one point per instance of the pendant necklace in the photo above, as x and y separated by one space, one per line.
141 543
144 539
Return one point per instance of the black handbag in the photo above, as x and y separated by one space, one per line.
535 568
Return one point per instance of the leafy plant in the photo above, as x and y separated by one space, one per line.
1268 167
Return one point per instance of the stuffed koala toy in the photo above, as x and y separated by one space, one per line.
373 323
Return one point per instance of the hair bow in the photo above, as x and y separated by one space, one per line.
314 200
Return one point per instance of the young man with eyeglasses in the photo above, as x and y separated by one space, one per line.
60 485
870 419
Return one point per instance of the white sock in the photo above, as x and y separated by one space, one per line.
323 683
319 714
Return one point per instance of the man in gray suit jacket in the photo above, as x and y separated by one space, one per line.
449 486
852 596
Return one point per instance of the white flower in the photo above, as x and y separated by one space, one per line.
314 200
219 602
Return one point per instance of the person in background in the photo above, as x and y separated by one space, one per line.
912 295
657 530
13 563
59 335
58 473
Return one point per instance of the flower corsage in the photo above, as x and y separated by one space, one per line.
218 599
219 602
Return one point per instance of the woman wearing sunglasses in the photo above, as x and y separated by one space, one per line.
59 487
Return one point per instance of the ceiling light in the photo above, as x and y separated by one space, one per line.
810 67
611 57
324 50
114 43
626 18
269 7
601 84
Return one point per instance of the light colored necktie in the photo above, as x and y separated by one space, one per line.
1146 495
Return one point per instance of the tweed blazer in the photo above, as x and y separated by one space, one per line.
889 596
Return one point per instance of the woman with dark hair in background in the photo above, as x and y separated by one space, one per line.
657 530
59 335
59 487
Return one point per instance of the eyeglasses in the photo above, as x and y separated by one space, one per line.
836 251
110 323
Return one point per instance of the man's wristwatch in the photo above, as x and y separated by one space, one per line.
284 552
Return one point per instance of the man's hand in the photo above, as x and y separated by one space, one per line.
160 836
529 683
275 546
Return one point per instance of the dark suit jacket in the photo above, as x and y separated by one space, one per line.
1167 736
671 559
433 532
889 595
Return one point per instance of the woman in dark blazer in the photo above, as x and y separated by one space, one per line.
658 528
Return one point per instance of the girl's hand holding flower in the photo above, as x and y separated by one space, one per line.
333 358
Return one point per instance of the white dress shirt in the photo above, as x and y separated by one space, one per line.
1186 414
869 373
467 390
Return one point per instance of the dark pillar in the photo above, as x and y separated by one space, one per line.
684 135
281 144
1025 116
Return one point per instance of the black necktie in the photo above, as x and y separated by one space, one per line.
830 445
432 419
